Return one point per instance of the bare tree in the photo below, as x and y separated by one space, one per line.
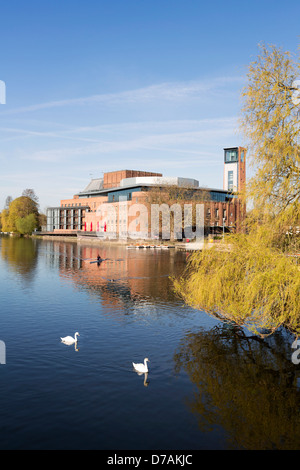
8 202
31 194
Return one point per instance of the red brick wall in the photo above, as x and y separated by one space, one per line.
113 178
242 170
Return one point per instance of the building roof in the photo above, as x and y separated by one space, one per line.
104 192
94 185
159 181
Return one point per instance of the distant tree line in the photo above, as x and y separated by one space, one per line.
21 215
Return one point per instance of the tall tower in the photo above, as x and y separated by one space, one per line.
234 169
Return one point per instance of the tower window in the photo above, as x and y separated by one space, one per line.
230 180
231 156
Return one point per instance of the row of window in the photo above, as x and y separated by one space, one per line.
126 195
71 205
224 213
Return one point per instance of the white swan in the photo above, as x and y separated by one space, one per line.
70 339
141 367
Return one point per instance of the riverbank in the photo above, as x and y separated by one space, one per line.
128 243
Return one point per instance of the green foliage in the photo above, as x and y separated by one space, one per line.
270 123
26 225
254 281
248 282
19 208
5 221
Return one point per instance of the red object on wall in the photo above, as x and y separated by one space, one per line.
91 226
85 227
104 226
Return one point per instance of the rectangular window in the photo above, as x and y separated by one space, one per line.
231 156
230 180
242 156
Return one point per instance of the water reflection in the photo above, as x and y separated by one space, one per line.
145 374
20 255
146 381
240 386
245 384
123 280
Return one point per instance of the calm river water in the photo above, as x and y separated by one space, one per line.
208 386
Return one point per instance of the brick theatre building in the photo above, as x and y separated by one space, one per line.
106 204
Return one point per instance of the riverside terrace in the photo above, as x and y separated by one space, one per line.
106 204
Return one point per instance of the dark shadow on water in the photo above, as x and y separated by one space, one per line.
245 384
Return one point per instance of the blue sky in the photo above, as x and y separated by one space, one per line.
95 86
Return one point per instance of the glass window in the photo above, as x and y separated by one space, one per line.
230 180
231 156
215 196
242 155
122 195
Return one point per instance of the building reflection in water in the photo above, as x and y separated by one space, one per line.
245 384
126 280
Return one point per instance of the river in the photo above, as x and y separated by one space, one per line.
209 386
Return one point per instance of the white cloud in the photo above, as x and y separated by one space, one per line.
163 127
169 91
193 136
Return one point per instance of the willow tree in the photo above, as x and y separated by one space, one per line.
254 282
271 123
250 284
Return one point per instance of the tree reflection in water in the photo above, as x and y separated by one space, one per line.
20 255
245 384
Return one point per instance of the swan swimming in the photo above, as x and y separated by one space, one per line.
70 339
141 367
